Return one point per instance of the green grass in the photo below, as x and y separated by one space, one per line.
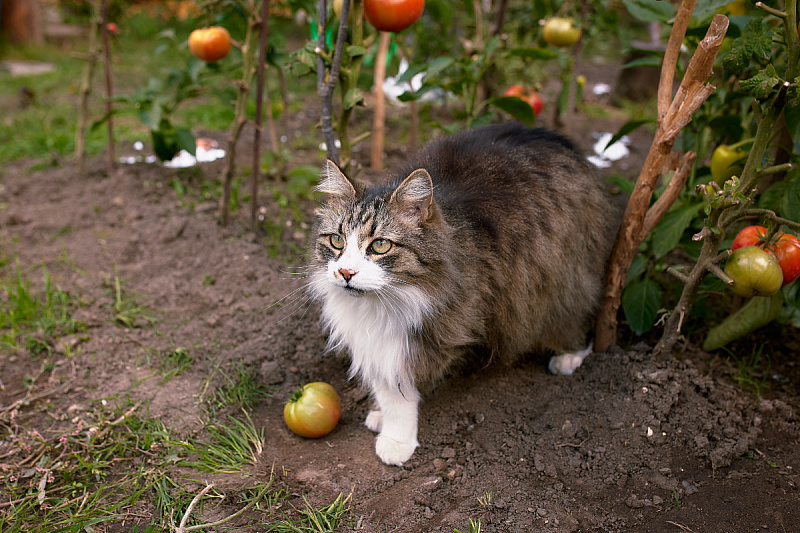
126 309
240 391
34 319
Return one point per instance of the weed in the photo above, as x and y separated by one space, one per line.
676 501
174 362
228 450
127 311
316 520
486 499
474 526
747 371
241 390
38 320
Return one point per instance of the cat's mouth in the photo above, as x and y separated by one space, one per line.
349 289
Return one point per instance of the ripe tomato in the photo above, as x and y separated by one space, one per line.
754 272
527 95
786 249
313 410
393 15
210 44
726 162
560 32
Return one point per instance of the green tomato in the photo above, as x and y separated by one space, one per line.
726 163
313 410
560 32
754 272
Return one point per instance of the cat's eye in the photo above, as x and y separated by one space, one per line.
381 246
337 241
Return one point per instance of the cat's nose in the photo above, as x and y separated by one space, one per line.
347 273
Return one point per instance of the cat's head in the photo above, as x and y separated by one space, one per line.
373 238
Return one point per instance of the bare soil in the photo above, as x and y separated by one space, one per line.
629 443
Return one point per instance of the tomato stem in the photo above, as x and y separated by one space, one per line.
296 395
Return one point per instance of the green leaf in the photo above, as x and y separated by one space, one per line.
640 303
790 206
356 51
667 234
184 140
792 116
705 9
625 185
637 269
516 107
412 71
534 53
438 65
754 42
353 98
762 85
626 129
757 312
650 10
647 61
151 116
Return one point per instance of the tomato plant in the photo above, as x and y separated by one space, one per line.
313 410
754 272
527 95
393 15
785 248
210 44
560 32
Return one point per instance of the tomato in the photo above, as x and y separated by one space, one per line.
560 32
393 15
337 8
786 249
210 44
313 410
527 95
112 28
754 272
726 163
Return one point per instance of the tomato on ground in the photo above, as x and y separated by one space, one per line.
313 410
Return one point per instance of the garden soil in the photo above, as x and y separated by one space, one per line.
629 443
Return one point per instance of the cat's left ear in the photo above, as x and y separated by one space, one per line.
414 197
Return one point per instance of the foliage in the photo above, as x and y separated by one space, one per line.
749 75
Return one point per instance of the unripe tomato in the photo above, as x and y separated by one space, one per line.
726 163
528 95
313 410
786 249
754 272
560 32
210 44
393 15
337 8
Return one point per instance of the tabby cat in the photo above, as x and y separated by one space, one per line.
493 241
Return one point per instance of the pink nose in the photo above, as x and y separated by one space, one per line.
347 273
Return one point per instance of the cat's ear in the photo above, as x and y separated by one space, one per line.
414 197
335 183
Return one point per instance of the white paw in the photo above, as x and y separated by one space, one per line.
566 363
374 421
393 452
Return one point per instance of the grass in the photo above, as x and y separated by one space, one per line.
748 373
127 311
31 319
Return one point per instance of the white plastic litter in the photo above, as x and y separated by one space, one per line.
603 157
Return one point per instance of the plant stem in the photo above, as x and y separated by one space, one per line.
86 87
240 118
109 89
262 62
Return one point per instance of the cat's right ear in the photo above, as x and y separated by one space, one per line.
335 183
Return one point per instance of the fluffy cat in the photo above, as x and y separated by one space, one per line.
493 241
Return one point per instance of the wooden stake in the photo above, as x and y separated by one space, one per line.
379 119
260 82
109 89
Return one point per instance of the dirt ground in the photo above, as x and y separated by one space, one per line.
629 443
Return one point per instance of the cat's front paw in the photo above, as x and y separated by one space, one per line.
393 452
374 421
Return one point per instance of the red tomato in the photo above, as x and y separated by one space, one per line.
313 410
112 28
210 44
786 249
393 15
754 272
527 95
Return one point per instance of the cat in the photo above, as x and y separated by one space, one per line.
490 241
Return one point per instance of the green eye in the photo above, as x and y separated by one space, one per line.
381 246
337 241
